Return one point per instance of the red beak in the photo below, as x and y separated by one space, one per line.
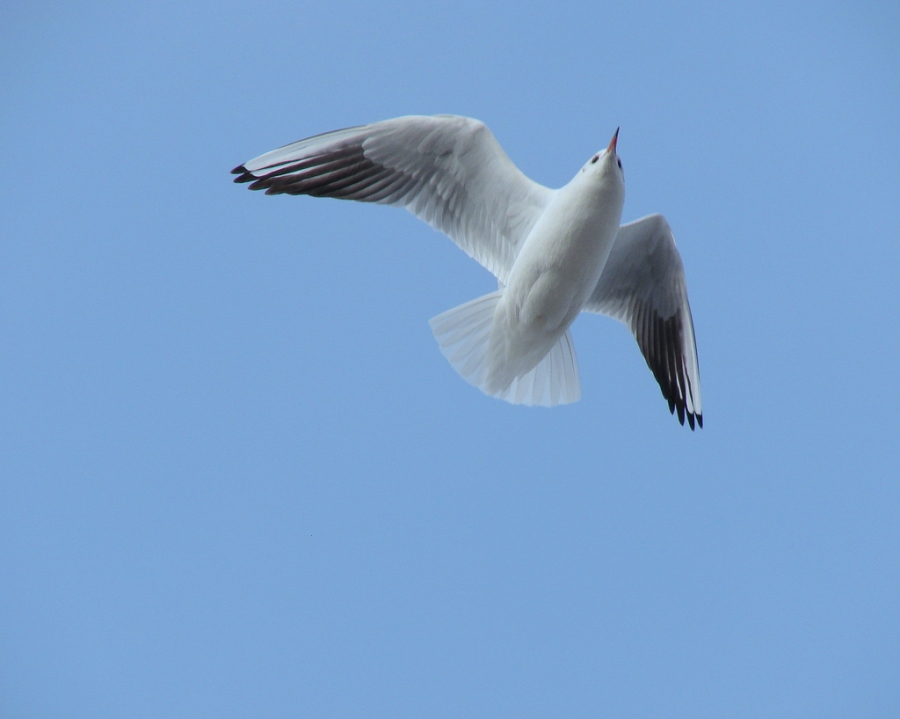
612 143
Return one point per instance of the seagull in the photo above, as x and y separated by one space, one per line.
555 253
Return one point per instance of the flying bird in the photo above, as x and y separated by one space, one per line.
555 253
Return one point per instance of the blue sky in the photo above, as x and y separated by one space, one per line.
237 476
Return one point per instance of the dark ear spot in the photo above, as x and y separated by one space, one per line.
594 159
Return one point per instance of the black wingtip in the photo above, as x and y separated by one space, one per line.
700 420
243 174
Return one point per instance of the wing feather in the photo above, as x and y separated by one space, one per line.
643 286
447 170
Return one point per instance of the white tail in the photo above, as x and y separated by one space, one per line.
464 334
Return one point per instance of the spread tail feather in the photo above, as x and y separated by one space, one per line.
464 334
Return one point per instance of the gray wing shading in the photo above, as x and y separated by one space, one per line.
643 286
447 170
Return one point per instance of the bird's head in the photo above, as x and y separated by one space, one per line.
606 163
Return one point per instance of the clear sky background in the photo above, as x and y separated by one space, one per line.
237 476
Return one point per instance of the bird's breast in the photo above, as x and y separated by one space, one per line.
561 260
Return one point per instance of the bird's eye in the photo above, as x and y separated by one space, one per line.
594 159
619 163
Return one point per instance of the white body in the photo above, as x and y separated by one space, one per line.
555 272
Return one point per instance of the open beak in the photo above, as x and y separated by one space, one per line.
612 143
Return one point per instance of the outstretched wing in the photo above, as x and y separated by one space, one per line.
447 170
643 286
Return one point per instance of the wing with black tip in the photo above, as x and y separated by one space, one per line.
449 171
643 286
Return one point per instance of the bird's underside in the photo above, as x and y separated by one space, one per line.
450 172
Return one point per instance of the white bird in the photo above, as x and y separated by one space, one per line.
555 253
